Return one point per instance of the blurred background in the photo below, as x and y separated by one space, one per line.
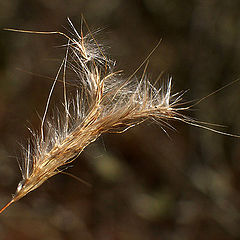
145 184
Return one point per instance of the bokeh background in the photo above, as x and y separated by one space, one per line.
145 184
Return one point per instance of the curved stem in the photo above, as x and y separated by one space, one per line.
6 206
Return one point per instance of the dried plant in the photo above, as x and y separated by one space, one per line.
103 102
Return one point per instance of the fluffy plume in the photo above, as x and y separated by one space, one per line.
104 101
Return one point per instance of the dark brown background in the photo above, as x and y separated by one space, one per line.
145 185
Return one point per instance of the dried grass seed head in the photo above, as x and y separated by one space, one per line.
104 101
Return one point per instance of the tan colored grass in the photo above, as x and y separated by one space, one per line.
104 101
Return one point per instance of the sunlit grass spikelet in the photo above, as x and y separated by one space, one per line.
104 101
